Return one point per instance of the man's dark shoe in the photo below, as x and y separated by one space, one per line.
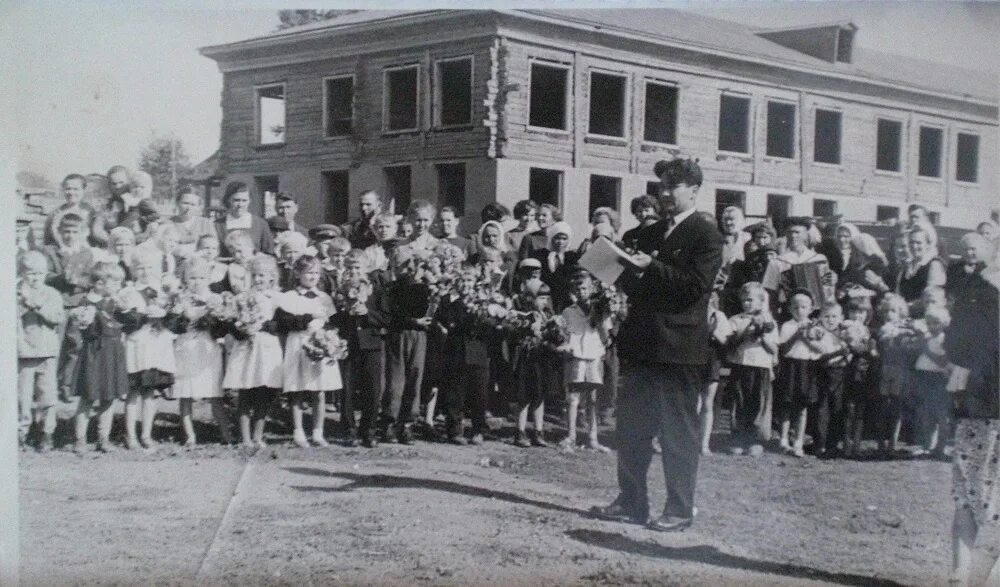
669 524
389 435
367 440
616 512
405 435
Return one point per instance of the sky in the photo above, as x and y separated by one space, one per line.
93 82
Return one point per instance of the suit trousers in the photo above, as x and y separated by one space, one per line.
466 391
405 352
659 400
367 380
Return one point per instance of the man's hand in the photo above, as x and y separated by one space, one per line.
424 322
640 261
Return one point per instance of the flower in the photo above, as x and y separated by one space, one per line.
855 335
555 333
249 313
608 302
83 316
353 293
325 345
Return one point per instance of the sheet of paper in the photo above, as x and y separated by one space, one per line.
604 260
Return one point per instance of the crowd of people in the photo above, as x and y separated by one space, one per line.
813 335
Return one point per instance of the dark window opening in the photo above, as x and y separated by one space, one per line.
777 208
455 92
545 186
734 124
888 145
886 213
398 188
727 198
845 38
826 148
339 106
451 185
824 208
336 185
781 130
653 188
604 191
967 160
931 140
661 114
401 98
607 104
548 96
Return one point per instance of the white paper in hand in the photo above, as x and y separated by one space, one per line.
604 260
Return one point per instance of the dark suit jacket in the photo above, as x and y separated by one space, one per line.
668 304
260 234
462 347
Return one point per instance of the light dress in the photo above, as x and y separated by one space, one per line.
256 361
199 362
300 372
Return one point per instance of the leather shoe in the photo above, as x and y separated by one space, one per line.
669 524
615 512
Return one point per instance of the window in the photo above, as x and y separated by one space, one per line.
653 188
727 198
399 107
661 114
547 103
888 145
545 186
604 191
824 208
267 189
271 115
453 92
934 217
845 39
336 186
826 146
607 104
734 124
338 99
451 185
398 188
777 208
967 159
886 213
930 151
781 130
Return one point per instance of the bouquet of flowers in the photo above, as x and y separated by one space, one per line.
524 328
83 316
855 335
249 313
811 330
352 294
608 302
324 345
222 307
555 333
489 308
760 324
906 334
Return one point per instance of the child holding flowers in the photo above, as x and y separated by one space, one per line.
800 349
588 337
897 340
101 376
149 347
254 367
828 413
753 354
532 361
861 372
197 313
310 366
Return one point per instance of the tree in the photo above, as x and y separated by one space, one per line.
166 161
290 18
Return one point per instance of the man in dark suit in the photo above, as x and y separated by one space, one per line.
664 348
286 207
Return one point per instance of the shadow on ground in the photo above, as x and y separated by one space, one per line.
358 481
711 555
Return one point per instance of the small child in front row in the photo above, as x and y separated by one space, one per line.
197 349
828 418
302 311
39 313
588 337
719 333
254 364
860 378
800 350
930 379
149 349
895 366
100 376
532 366
754 348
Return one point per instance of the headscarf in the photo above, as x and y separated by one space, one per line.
502 242
561 227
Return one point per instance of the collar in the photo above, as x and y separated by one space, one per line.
678 218
303 290
242 222
93 297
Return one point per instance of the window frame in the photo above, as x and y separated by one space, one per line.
942 172
626 100
436 94
979 144
840 136
748 154
902 141
677 114
257 113
795 126
836 207
620 183
385 99
465 184
326 103
562 183
567 111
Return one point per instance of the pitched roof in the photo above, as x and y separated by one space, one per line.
712 34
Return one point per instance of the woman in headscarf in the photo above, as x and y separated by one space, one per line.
851 264
558 264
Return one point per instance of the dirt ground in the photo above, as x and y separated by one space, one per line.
435 514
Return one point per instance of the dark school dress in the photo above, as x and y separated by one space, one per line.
101 375
797 382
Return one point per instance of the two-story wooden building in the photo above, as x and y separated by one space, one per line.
574 107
